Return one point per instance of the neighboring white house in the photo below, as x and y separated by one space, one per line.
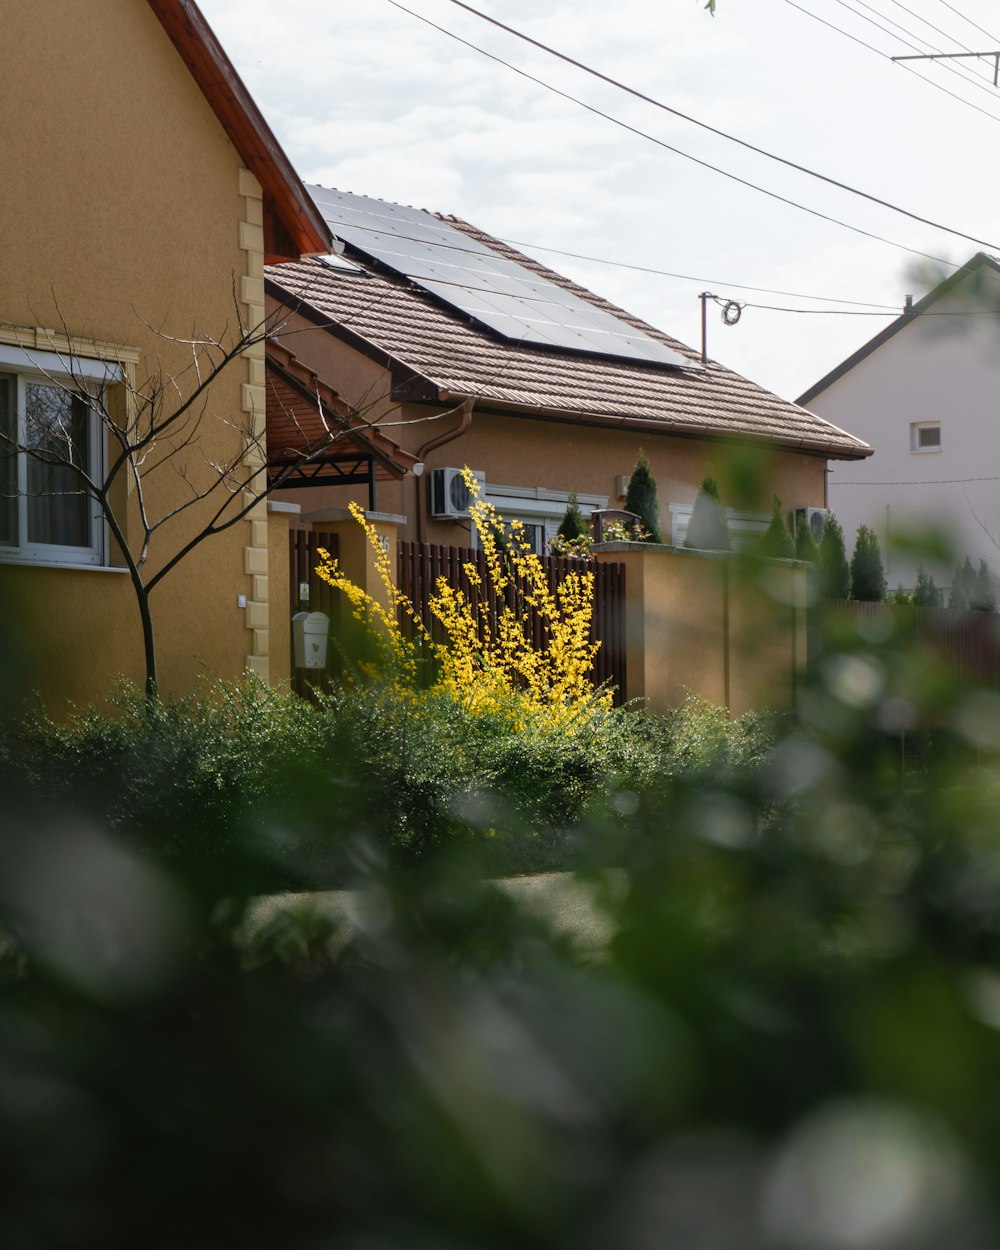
925 394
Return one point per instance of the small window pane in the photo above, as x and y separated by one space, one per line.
58 507
8 461
925 436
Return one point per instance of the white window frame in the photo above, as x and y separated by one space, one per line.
89 379
537 506
916 428
745 528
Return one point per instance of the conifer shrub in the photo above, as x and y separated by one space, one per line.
962 585
642 499
776 543
925 593
868 584
708 529
982 597
573 524
836 572
806 547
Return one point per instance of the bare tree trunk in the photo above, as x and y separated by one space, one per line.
148 642
149 647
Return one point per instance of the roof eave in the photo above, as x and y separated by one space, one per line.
682 429
932 296
414 386
296 225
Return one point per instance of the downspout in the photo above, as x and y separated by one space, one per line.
465 420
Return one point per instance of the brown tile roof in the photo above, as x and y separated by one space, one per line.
435 353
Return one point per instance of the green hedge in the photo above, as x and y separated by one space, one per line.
302 781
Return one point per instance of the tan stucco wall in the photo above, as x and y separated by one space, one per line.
730 631
530 451
126 217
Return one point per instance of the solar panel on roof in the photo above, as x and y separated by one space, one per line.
489 288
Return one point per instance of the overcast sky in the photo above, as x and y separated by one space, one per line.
368 98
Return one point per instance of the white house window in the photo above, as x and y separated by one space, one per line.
539 510
47 426
925 436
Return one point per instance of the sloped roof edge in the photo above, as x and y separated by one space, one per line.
932 296
408 380
284 192
286 365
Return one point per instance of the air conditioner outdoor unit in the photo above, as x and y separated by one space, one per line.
449 494
815 518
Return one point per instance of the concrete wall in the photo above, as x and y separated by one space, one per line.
126 217
942 368
730 631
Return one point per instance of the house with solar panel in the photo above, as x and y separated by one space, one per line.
465 352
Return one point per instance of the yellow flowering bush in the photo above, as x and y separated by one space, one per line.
486 658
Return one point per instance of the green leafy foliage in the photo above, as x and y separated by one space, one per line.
642 498
188 780
776 543
868 583
708 529
780 1030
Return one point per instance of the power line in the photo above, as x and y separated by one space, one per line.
944 481
881 310
847 312
803 169
952 69
621 264
885 56
868 234
937 29
969 20
686 277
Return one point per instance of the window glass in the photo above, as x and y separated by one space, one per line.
8 461
56 425
925 436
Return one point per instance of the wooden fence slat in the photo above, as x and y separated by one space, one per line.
967 643
419 565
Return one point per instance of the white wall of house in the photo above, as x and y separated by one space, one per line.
943 371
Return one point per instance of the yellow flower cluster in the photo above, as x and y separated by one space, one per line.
489 660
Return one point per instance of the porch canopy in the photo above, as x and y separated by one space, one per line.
315 439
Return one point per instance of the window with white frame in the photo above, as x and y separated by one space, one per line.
539 510
925 436
49 427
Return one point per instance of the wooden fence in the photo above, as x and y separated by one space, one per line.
966 643
420 565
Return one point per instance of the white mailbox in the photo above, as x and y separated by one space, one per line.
310 631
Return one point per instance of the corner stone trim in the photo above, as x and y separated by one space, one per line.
251 286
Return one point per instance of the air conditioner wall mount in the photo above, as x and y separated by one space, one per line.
450 496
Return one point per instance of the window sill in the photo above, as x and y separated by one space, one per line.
925 451
15 562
